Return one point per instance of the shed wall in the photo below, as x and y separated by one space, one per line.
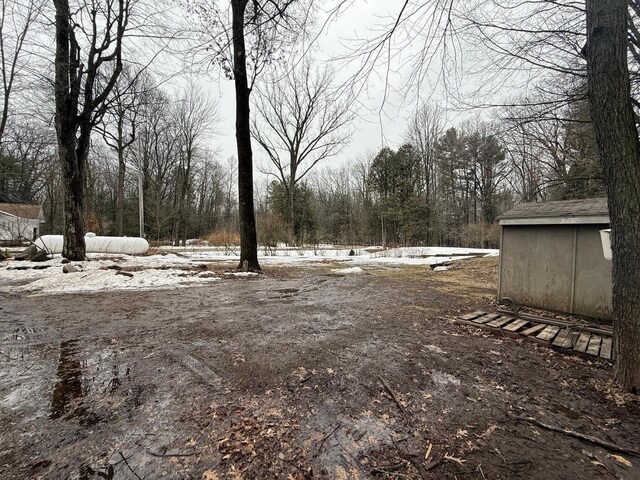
556 267
593 275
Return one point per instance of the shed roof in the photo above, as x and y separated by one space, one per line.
588 210
22 210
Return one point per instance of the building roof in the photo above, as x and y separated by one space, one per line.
22 210
588 210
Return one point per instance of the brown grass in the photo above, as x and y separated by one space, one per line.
223 237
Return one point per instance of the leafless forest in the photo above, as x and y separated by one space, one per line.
155 136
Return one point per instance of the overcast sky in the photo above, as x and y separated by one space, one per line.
374 128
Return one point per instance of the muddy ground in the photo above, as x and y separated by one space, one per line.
299 373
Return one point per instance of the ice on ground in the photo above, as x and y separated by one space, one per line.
441 268
180 266
423 252
241 274
91 278
443 379
347 270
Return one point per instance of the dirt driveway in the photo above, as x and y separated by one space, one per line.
299 373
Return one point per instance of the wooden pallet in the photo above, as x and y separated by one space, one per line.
567 338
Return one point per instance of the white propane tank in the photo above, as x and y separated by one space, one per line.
95 244
605 236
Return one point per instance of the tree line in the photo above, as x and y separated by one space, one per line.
442 185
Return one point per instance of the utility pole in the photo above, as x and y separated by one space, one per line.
141 201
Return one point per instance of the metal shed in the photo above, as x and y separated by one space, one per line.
551 257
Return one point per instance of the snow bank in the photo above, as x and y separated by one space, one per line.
178 267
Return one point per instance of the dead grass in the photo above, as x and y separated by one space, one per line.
472 273
223 237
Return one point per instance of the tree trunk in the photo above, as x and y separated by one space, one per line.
66 127
248 237
292 213
74 229
120 193
617 137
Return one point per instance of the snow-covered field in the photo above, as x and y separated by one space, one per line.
175 267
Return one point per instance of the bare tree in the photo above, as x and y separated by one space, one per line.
617 135
243 42
425 129
16 22
28 155
195 116
156 155
301 121
118 126
78 101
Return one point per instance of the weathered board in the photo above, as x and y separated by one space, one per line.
570 340
498 322
534 329
515 325
594 345
578 338
548 333
560 337
485 318
606 348
582 343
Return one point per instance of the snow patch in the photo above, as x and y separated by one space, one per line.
241 274
347 270
443 379
180 266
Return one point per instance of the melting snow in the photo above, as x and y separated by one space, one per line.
177 266
347 270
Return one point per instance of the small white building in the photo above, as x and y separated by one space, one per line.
20 221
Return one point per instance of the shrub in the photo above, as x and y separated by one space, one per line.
480 235
223 237
272 230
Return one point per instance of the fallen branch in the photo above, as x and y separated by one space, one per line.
325 438
306 379
393 397
586 438
432 465
168 455
451 458
390 468
124 459
25 371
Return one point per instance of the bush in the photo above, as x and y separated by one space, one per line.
480 235
223 237
272 230
160 243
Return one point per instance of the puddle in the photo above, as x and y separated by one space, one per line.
82 382
68 392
